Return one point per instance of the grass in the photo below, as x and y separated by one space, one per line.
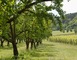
47 51
57 51
7 53
70 37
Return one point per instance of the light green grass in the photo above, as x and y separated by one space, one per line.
57 51
7 52
47 51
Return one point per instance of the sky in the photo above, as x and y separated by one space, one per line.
69 7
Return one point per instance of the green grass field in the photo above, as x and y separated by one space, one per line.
47 51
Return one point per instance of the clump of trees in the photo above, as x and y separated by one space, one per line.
27 20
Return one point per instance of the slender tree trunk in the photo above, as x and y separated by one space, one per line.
34 45
40 41
37 43
27 44
27 41
13 36
2 43
32 42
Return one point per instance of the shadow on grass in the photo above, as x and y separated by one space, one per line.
45 54
45 50
6 47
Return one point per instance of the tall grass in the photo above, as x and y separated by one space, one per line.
69 39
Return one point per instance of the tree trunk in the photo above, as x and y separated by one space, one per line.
37 43
2 43
15 51
27 41
13 38
40 41
32 42
34 45
27 44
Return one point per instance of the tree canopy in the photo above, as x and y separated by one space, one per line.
28 20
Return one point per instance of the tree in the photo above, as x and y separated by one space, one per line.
11 10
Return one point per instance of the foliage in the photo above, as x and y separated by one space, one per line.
28 19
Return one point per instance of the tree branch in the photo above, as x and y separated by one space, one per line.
20 32
23 10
